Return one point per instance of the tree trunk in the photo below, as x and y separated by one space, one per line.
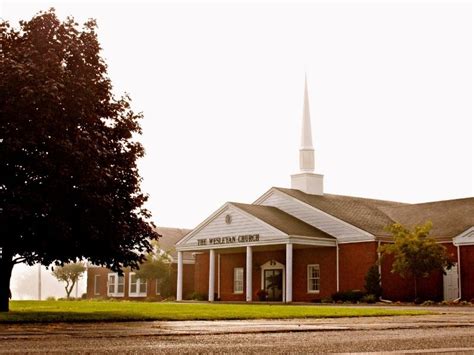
6 266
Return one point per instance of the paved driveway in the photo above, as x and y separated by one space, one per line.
450 331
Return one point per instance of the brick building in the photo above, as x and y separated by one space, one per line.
301 244
102 282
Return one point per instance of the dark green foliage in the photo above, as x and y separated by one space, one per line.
348 296
372 281
69 185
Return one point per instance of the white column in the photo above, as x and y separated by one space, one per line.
179 283
289 272
248 275
212 273
337 266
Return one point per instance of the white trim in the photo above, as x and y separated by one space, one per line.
248 274
337 267
218 276
96 285
138 282
116 284
276 266
308 278
266 195
459 271
179 277
212 274
465 238
234 280
157 291
276 241
181 245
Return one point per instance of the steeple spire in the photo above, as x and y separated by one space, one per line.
306 180
306 149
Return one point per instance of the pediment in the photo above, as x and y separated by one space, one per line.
465 238
231 227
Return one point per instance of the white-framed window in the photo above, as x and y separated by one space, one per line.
158 287
96 285
136 287
239 280
115 285
313 278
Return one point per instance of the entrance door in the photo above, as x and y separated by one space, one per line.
274 284
450 284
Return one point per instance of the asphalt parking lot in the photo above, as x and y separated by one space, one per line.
451 331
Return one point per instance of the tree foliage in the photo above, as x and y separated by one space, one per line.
372 281
70 274
416 254
69 185
157 266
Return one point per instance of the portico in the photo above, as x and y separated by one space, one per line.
254 255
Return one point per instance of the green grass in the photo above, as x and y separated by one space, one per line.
85 311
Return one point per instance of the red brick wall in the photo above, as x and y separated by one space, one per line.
467 272
201 273
188 282
397 288
355 259
325 257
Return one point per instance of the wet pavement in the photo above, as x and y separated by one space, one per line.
451 331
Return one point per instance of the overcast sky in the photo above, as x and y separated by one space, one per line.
221 89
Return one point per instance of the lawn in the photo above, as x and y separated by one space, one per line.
84 311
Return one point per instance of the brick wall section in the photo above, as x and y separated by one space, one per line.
355 259
102 273
325 257
467 272
397 288
201 274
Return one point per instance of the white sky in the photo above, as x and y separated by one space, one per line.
221 88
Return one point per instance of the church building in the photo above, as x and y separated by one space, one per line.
301 244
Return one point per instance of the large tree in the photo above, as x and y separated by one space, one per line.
69 187
415 253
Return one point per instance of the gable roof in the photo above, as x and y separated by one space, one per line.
364 213
450 217
169 238
282 221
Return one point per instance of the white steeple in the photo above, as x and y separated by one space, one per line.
306 149
306 180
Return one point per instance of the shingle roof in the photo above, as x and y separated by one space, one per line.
282 221
169 238
363 213
450 218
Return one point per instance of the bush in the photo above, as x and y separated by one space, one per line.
353 296
369 298
50 298
372 281
428 303
198 296
327 300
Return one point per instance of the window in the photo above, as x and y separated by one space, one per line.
137 287
313 278
115 285
96 285
239 280
158 287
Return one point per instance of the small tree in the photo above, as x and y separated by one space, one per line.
70 274
158 267
372 281
416 254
